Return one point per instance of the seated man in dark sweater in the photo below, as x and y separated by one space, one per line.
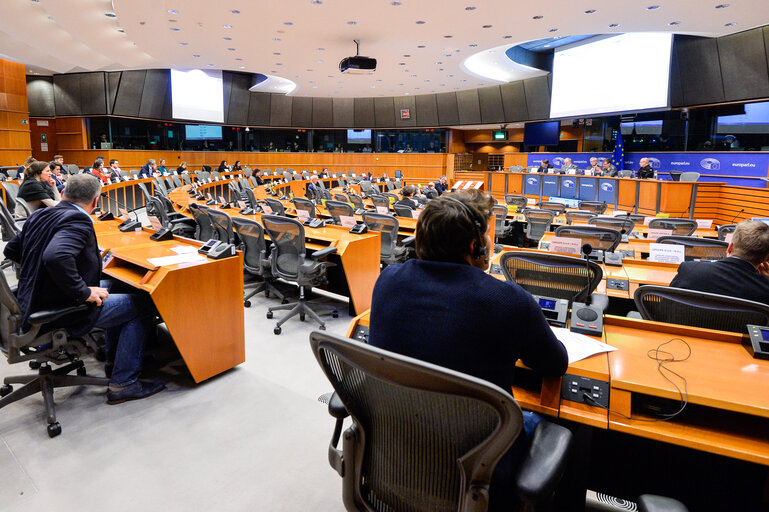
468 321
744 273
407 193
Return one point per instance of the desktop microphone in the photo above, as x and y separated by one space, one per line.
586 318
738 214
127 225
586 250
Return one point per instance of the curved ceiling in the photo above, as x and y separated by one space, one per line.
420 45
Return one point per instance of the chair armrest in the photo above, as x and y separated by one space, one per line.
323 253
175 215
634 314
183 220
652 503
336 408
44 317
599 300
541 470
408 240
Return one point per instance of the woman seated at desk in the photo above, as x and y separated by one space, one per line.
38 188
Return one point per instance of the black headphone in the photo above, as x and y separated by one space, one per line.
480 250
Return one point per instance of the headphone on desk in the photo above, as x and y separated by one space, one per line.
479 250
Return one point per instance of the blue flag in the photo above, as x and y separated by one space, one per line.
618 158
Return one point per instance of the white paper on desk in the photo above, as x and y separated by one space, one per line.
579 346
242 204
184 249
303 214
704 223
383 210
347 221
173 260
619 212
267 209
565 245
666 253
655 233
647 220
415 214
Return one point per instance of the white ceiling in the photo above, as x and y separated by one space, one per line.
304 40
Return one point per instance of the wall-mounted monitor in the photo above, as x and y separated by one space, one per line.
202 132
625 73
359 136
542 134
197 95
754 120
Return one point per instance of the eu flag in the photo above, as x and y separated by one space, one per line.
618 158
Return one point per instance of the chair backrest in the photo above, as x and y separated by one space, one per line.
244 183
690 176
551 275
389 185
160 186
626 174
156 208
216 174
340 197
204 229
24 206
558 208
250 198
514 200
266 172
622 223
699 309
176 180
683 227
398 184
338 209
186 179
11 191
247 172
593 206
580 216
403 211
697 248
637 218
367 187
288 250
603 239
124 174
276 206
427 438
306 205
326 194
380 200
8 226
222 224
675 175
387 226
356 200
538 222
725 230
516 168
500 214
251 233
145 192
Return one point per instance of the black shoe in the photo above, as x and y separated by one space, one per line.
135 391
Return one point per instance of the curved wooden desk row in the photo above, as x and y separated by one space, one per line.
728 406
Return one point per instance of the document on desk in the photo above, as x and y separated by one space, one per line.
184 249
579 346
174 260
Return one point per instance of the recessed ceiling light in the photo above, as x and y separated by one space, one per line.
472 45
276 39
196 56
276 53
722 6
331 76
310 70
590 11
447 37
451 76
730 24
316 2
440 69
121 31
280 31
401 63
401 84
487 26
231 49
406 55
538 17
175 29
278 63
413 76
395 3
110 14
421 46
241 67
173 11
235 11
227 26
652 7
184 44
447 55
427 80
373 86
674 23
321 49
50 18
238 59
352 22
469 8
614 25
320 61
227 38
439 63
171 21
507 37
288 23
553 30
420 22
210 65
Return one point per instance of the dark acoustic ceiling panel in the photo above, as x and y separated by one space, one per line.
344 113
699 70
66 95
323 112
259 109
226 93
236 111
469 107
301 112
40 96
154 93
514 101
113 82
491 105
407 103
676 94
280 110
743 65
426 108
383 112
448 113
364 113
93 93
129 94
537 91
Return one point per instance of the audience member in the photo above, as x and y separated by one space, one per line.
258 177
645 171
442 185
114 170
38 189
430 192
313 189
545 166
148 169
223 167
237 166
25 165
98 170
56 175
162 169
182 167
407 193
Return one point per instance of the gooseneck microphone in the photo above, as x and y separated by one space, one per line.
127 225
738 214
586 250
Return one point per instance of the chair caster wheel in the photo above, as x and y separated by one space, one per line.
335 314
322 327
267 293
35 365
277 330
6 389
247 304
284 301
54 429
269 314
301 317
81 372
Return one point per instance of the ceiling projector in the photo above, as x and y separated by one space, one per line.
358 64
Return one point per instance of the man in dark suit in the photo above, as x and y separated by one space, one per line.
442 186
545 166
646 171
609 169
148 169
407 193
56 175
744 273
313 189
61 266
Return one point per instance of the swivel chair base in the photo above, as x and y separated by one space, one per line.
45 381
262 286
300 308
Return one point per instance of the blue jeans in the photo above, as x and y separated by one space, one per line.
127 321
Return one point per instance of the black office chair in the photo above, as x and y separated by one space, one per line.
305 205
699 309
403 211
389 185
675 175
11 191
635 217
276 206
357 202
387 226
683 227
338 209
289 261
502 228
9 226
520 201
177 181
222 224
380 201
558 208
160 186
42 346
725 230
186 179
579 216
341 197
204 229
183 226
623 224
23 209
538 222
602 239
425 437
598 207
368 188
697 248
255 260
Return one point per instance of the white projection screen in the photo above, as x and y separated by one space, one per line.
197 95
625 73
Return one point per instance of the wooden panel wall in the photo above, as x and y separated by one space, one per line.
71 134
14 114
723 202
39 127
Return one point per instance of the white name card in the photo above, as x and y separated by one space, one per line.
565 245
347 221
124 214
267 209
415 213
619 212
242 204
155 223
383 210
126 178
647 220
704 223
478 184
303 214
656 233
222 199
666 253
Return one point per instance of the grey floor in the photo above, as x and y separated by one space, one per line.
254 438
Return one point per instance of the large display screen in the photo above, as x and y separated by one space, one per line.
202 132
197 95
754 120
359 136
542 134
625 73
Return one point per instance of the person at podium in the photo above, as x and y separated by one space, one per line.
645 172
545 166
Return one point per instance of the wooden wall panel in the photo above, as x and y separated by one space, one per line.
38 128
14 114
722 202
71 134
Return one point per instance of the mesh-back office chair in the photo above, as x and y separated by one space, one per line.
558 208
160 187
215 175
206 175
145 193
392 197
183 226
387 226
538 222
398 184
266 172
516 168
276 206
502 228
520 201
340 197
380 201
389 185
11 192
177 181
579 216
368 188
682 227
725 230
342 182
690 176
204 229
357 202
602 239
306 205
289 262
305 175
338 209
248 172
598 207
699 309
551 275
222 224
403 211
23 209
635 217
675 175
255 260
697 248
250 199
321 184
624 224
124 174
9 226
42 350
134 173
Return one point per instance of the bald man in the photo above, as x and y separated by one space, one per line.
646 171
